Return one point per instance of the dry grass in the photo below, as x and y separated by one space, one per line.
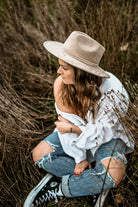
27 73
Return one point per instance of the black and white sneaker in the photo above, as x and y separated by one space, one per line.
48 189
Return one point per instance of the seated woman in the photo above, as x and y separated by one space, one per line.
90 103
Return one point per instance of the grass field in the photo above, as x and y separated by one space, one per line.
27 74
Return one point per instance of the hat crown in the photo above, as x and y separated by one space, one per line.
82 47
80 51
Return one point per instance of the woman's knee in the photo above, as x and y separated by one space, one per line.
115 168
42 149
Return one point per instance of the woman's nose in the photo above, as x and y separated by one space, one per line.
59 71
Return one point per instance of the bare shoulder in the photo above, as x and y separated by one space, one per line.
57 86
58 96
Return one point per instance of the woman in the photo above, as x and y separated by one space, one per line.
89 102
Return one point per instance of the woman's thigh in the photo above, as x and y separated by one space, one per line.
50 144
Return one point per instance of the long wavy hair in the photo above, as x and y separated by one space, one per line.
84 94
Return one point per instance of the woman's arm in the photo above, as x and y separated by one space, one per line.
64 126
57 87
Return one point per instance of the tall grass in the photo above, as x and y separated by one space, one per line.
27 74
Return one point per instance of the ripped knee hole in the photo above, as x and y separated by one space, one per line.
115 168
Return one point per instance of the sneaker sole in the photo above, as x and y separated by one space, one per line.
101 199
34 191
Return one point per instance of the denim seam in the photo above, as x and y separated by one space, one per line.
64 158
65 187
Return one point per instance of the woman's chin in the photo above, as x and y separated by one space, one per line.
67 82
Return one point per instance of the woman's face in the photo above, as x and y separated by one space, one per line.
67 72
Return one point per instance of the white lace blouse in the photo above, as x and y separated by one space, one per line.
104 127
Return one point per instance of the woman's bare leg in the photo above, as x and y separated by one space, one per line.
42 149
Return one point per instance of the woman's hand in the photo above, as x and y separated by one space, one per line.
63 125
80 167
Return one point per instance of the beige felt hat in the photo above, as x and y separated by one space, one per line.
80 51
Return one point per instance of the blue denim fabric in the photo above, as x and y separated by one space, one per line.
91 181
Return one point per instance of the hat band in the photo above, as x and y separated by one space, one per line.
79 58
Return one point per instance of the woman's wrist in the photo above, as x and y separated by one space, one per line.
75 129
71 130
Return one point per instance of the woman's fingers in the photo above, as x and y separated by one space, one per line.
61 118
56 122
63 125
89 166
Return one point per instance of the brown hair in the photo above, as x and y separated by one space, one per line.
84 94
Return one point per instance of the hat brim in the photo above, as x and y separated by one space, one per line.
56 48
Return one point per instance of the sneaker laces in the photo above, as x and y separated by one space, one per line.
49 195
